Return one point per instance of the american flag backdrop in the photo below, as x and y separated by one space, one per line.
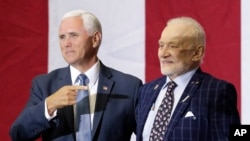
131 29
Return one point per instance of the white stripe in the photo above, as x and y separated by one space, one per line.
245 63
123 22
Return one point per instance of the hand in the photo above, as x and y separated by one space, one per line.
65 96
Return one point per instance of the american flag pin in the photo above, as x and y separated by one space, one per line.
105 88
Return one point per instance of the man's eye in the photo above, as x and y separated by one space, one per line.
173 46
73 35
61 37
161 45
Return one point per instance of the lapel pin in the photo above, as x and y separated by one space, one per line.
156 86
195 82
105 88
185 98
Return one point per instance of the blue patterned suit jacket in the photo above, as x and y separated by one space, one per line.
114 118
212 101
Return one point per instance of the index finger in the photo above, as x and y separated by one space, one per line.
76 87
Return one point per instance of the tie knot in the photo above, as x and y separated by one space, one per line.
82 79
171 85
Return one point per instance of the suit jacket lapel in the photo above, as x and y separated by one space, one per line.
63 79
184 101
155 91
147 103
103 92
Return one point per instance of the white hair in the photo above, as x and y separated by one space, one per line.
197 31
91 22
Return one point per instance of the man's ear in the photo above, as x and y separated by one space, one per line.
96 40
198 53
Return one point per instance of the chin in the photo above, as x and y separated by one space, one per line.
166 72
70 61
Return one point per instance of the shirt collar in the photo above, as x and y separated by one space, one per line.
181 80
92 73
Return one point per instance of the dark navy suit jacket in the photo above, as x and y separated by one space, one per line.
114 118
212 102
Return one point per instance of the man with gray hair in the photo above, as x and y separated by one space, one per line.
185 104
103 109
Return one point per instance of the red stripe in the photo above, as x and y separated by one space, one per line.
221 20
24 47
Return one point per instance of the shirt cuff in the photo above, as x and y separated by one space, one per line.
48 117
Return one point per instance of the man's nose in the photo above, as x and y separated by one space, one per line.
164 51
68 41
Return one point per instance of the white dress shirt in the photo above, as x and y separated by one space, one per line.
92 75
181 82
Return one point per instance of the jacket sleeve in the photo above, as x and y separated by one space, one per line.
32 121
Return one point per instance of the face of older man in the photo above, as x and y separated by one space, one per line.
76 44
177 53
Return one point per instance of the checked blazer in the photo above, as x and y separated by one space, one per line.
213 103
